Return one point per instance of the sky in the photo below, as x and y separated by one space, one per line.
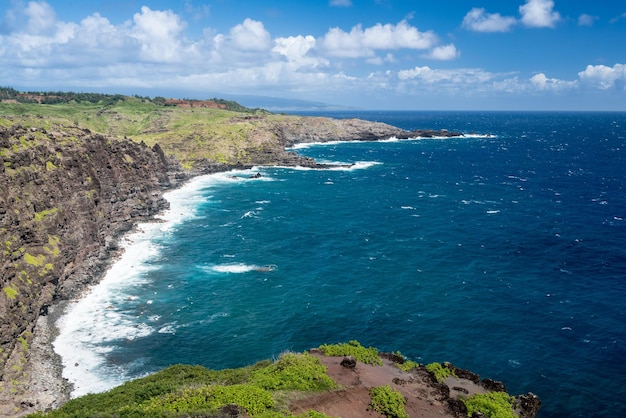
343 54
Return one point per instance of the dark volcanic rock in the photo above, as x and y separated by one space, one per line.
528 405
67 196
349 362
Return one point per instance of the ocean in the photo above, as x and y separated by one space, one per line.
502 251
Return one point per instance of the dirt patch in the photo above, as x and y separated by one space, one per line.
425 397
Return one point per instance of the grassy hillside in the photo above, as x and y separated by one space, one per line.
263 390
187 133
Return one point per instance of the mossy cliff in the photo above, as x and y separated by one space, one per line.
67 196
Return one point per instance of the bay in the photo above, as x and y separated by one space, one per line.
501 251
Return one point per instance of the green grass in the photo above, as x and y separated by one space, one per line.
189 134
263 390
300 372
355 349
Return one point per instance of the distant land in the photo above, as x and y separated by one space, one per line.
249 101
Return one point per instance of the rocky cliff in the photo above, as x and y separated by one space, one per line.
66 197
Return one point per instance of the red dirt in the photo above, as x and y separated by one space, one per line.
425 398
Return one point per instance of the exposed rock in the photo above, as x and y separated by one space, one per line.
67 196
348 362
527 406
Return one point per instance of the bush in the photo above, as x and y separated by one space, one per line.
355 349
441 371
408 365
294 372
492 404
388 402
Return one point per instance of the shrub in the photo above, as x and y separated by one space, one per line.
388 402
441 371
294 372
492 404
355 349
408 365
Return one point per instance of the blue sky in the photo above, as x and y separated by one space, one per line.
368 54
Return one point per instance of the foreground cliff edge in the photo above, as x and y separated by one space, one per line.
339 380
73 182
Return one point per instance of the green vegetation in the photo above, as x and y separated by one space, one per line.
208 398
10 292
492 404
441 371
388 402
34 260
263 390
224 132
291 371
39 216
355 349
408 365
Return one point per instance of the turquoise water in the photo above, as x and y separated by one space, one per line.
502 252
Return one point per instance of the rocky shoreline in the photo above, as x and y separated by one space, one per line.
71 196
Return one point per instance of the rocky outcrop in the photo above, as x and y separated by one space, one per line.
320 129
67 196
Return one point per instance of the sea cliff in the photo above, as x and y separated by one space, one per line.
69 193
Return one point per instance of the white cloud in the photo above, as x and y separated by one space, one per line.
296 50
586 20
250 36
362 43
458 77
158 32
618 18
41 17
541 82
444 53
603 77
539 14
341 3
152 50
479 20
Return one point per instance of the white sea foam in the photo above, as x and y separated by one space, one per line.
90 323
336 166
93 321
389 139
238 268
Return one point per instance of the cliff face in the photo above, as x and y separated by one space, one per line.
66 195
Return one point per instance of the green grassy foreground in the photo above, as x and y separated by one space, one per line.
263 390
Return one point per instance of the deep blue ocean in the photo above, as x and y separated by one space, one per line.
503 252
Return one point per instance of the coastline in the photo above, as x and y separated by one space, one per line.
46 385
47 388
